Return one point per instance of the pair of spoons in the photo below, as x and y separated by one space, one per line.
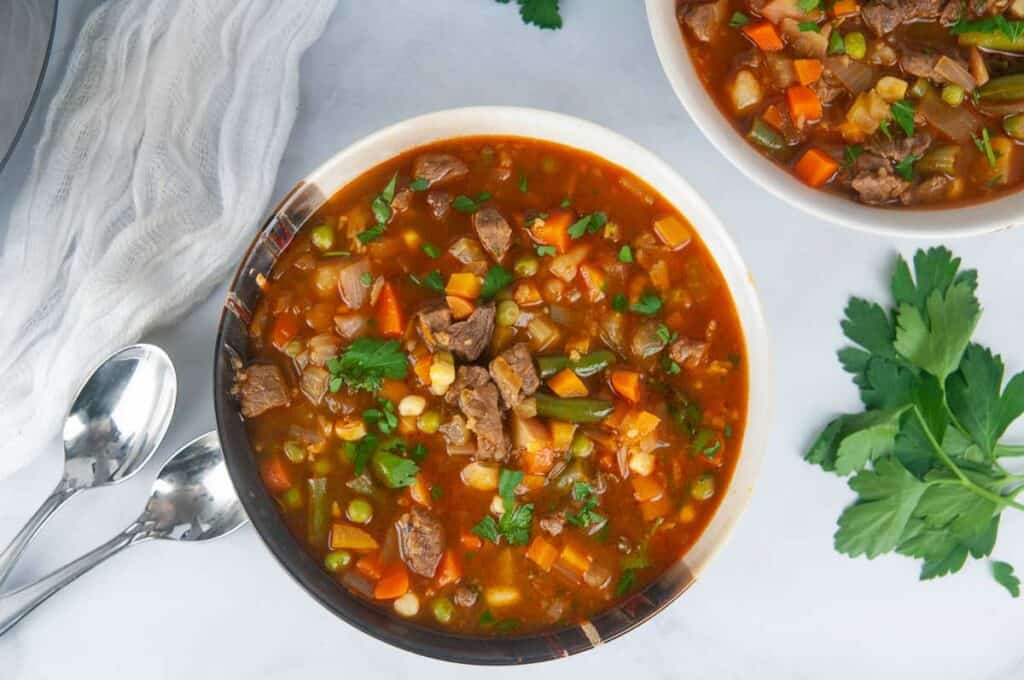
115 424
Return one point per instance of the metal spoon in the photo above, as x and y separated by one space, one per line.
116 422
192 500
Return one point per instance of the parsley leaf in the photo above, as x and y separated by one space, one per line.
626 254
883 125
626 582
514 524
393 470
384 417
434 281
905 167
540 13
974 398
419 184
495 279
465 204
836 44
874 525
851 154
546 250
431 251
523 183
739 19
365 363
903 114
589 224
620 303
487 529
1004 576
648 304
381 208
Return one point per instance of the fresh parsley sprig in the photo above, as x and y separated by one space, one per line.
365 363
540 13
514 524
925 454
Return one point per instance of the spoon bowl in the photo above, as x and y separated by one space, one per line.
115 424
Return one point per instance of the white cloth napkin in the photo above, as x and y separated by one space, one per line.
157 160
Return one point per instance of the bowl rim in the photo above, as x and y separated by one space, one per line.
998 214
639 607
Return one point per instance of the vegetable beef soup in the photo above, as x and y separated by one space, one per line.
495 385
887 102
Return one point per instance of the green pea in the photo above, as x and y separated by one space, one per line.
582 446
953 95
508 313
323 237
856 45
337 560
428 422
703 488
322 467
443 609
526 266
292 498
359 511
294 451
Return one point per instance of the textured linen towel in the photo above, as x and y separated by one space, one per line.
158 156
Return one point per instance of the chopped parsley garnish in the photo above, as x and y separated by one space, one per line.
366 278
365 363
809 27
925 453
546 250
620 303
384 417
418 452
419 184
905 167
586 515
591 224
497 277
669 366
706 443
984 144
626 254
626 582
1013 30
565 203
436 492
665 335
808 5
883 125
903 114
371 233
514 524
648 304
395 471
431 251
851 154
359 452
466 204
739 19
381 207
523 183
434 281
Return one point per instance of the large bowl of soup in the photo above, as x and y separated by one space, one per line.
493 385
891 117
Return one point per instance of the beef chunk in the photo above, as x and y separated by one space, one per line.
896 150
922 64
931 190
553 524
261 387
477 398
806 43
466 339
455 432
465 596
883 16
514 374
687 352
493 231
420 541
438 168
879 186
440 203
353 291
400 203
703 18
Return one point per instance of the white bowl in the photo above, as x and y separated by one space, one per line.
367 153
980 218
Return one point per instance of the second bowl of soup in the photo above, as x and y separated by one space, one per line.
493 398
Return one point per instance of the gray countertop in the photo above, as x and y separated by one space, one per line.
777 603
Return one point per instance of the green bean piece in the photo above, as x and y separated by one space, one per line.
703 488
428 422
292 498
1003 89
443 609
508 313
359 511
586 366
582 446
337 560
939 161
573 410
319 512
856 45
526 266
996 40
323 237
953 95
763 134
1014 126
294 451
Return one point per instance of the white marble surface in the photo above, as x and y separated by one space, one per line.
777 603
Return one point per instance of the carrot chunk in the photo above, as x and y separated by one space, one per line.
460 306
390 320
393 583
815 167
807 70
286 327
542 553
463 284
369 566
471 541
646 488
348 537
844 8
804 104
553 230
450 569
627 384
276 474
566 383
765 35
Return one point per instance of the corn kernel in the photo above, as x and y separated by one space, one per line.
350 429
641 463
412 405
407 605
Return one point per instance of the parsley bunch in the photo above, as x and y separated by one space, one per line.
925 453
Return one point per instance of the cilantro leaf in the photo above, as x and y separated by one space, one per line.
495 279
1004 576
365 363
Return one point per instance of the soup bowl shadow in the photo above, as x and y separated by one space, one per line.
968 220
231 352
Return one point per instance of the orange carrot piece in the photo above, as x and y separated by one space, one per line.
773 117
554 230
656 508
450 570
286 327
815 167
390 321
542 553
393 583
471 541
575 559
566 384
646 488
804 104
765 35
422 368
460 306
276 474
393 390
419 490
844 8
537 462
627 384
593 279
463 284
369 566
807 70
348 537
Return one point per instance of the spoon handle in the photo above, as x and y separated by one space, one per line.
12 552
14 606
